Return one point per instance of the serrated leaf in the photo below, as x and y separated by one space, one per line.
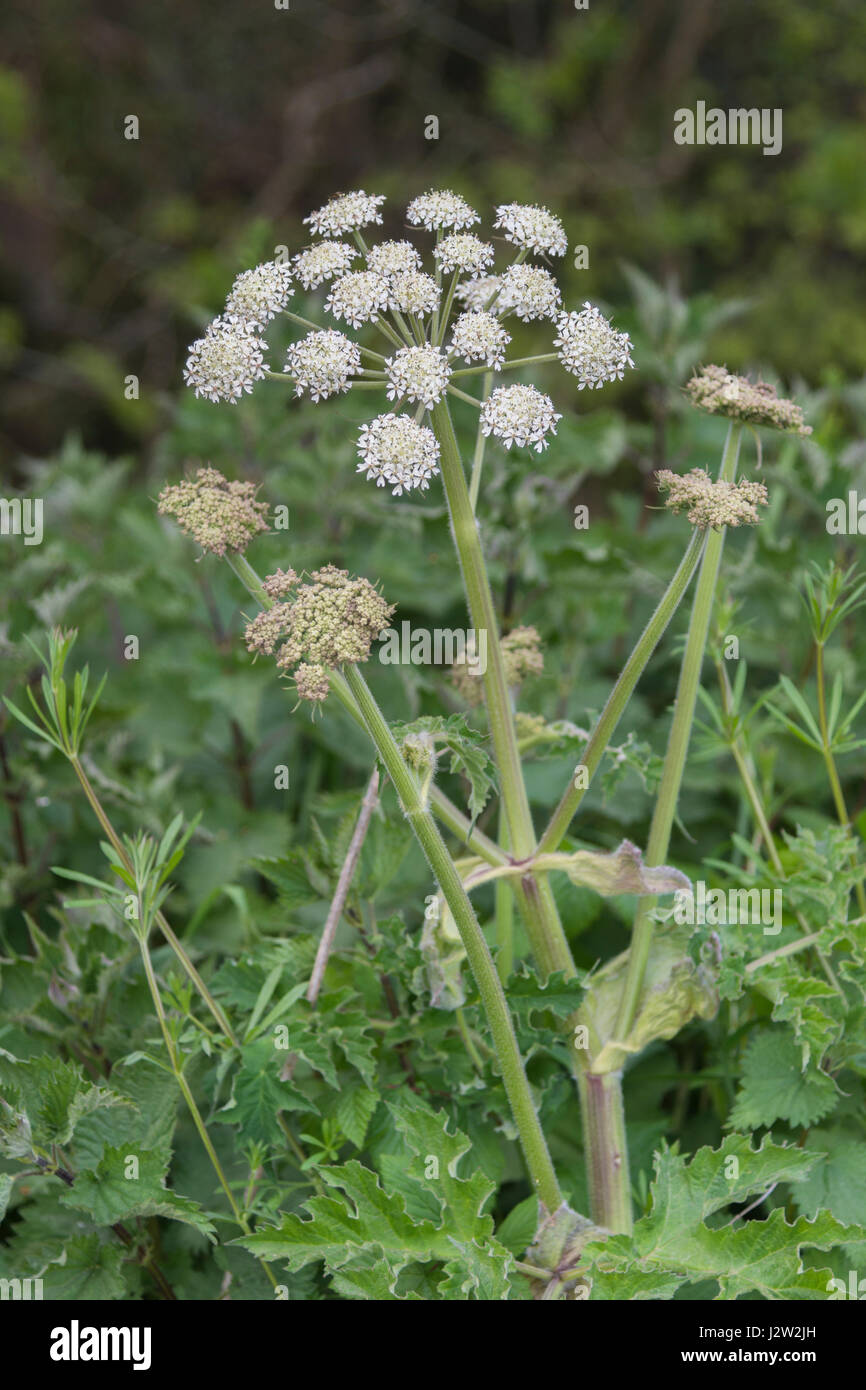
774 1085
354 1112
259 1096
108 1195
89 1270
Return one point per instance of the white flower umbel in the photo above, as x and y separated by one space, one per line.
479 337
322 363
533 227
398 453
323 261
591 349
464 251
418 374
226 362
359 297
258 295
442 210
476 294
390 258
414 293
346 213
519 415
528 291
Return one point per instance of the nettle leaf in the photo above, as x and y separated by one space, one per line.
527 993
838 1182
368 1221
55 1096
674 1245
468 753
89 1270
355 1109
775 1086
259 1095
129 1182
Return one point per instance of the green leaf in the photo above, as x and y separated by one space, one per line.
108 1195
259 1096
774 1085
673 1244
838 1181
354 1112
89 1270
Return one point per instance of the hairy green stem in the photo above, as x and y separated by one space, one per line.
678 743
478 953
604 1142
830 762
619 697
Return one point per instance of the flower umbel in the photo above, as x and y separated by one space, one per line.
359 297
322 363
712 503
532 227
479 337
333 620
529 291
719 392
346 213
418 374
519 415
258 295
591 349
443 209
226 362
323 261
219 515
393 258
397 452
466 252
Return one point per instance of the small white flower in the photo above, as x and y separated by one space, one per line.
443 209
479 337
323 261
528 291
532 227
322 363
476 294
464 251
418 374
257 295
391 258
591 349
519 415
359 297
346 212
414 293
397 452
226 362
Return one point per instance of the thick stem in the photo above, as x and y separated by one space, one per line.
604 1143
480 960
619 697
545 929
678 743
830 762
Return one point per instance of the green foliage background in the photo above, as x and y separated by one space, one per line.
114 254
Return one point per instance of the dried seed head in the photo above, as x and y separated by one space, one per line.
712 504
219 515
532 227
591 349
267 629
226 362
279 584
346 213
333 620
258 295
719 392
519 415
312 682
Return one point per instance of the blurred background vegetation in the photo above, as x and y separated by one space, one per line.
114 250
